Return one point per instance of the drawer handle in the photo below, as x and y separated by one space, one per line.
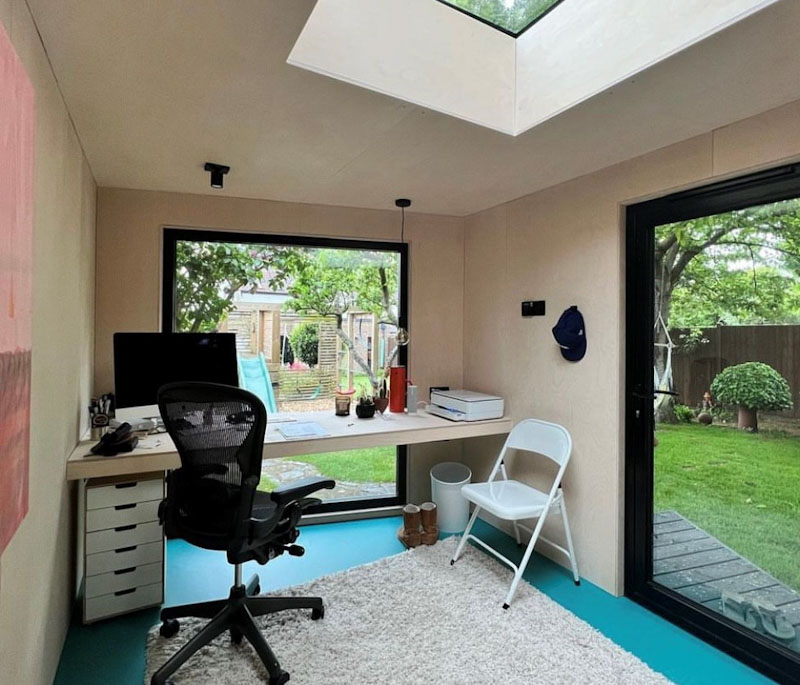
119 529
125 549
123 571
120 507
119 593
119 486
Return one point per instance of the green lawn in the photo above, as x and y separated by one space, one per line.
742 488
373 465
266 483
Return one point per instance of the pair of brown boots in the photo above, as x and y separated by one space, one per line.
419 525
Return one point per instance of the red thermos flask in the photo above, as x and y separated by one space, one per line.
397 389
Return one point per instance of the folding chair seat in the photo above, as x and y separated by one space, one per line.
513 501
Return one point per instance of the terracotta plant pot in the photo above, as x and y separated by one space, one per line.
381 403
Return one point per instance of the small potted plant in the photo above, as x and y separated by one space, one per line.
365 409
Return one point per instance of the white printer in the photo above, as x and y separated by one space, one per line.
465 405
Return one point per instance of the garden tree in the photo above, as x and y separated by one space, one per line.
208 275
333 282
751 387
305 342
708 296
729 241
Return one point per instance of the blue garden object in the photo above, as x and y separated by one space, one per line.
254 376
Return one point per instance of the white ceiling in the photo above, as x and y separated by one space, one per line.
158 88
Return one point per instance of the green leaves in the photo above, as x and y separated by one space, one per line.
331 282
208 275
753 385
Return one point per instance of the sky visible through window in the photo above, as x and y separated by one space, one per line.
512 16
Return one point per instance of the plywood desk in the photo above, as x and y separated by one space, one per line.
132 485
158 453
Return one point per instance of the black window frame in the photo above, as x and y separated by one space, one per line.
773 185
173 234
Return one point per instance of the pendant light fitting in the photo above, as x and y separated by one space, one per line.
402 202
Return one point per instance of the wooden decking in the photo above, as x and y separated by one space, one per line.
698 566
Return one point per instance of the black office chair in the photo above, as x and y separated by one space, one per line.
212 502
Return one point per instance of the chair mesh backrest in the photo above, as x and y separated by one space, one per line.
548 439
218 431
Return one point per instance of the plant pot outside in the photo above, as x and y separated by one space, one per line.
748 419
365 411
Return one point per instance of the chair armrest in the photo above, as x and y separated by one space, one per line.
299 489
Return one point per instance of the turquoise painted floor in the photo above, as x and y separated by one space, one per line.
113 651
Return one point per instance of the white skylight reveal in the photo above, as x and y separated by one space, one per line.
424 52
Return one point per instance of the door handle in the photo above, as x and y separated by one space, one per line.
649 396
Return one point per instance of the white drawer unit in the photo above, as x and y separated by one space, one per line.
127 557
123 546
122 515
123 579
123 602
129 535
116 492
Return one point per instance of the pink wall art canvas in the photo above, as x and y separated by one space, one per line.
16 263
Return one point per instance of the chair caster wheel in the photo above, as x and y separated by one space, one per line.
505 606
452 561
169 627
577 582
236 636
317 614
280 679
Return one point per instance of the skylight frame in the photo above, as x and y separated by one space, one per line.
497 27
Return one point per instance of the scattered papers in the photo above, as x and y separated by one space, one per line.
301 430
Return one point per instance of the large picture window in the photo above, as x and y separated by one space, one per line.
313 317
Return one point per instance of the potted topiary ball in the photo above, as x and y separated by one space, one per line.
752 386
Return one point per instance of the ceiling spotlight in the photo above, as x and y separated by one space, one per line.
217 171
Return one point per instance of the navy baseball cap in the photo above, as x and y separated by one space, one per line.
570 334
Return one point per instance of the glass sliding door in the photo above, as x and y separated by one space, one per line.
713 414
312 317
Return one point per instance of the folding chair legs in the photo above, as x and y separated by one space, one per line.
520 569
516 532
525 559
465 535
568 533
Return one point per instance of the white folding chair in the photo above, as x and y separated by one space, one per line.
514 501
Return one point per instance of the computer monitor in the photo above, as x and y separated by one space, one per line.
143 362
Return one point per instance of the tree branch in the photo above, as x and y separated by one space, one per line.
357 358
689 254
742 243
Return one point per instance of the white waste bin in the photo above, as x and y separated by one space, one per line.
452 508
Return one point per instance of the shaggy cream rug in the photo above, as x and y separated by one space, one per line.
412 619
